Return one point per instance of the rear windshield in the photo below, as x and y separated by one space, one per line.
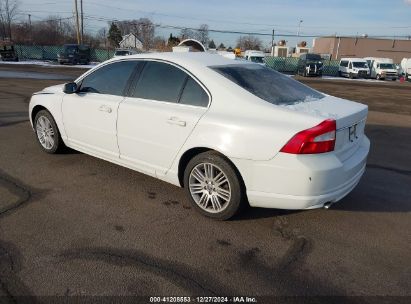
257 59
313 57
70 49
267 84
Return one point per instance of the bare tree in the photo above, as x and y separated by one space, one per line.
249 43
53 30
8 12
202 34
187 34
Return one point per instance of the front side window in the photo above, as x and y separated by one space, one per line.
110 79
159 81
267 84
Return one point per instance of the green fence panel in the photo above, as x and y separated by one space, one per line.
289 65
50 52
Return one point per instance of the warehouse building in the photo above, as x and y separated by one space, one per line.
339 47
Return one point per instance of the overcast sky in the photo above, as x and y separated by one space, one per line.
320 17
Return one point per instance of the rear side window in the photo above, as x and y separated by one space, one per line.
159 81
110 79
267 84
193 94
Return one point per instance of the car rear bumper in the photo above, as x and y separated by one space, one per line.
303 181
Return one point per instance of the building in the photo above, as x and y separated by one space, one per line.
338 47
130 41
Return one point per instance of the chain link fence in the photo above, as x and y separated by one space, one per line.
49 52
282 64
289 65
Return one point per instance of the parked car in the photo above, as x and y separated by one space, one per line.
8 52
310 65
74 54
123 52
354 68
230 132
406 68
255 56
382 68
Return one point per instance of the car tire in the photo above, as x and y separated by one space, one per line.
378 77
351 76
47 133
219 193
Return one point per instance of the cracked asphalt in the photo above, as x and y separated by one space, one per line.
74 225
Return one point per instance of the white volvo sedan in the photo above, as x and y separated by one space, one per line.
230 132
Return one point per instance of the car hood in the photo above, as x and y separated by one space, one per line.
51 90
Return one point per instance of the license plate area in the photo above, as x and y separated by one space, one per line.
353 133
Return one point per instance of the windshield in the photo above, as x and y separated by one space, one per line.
257 59
360 64
387 66
268 84
121 53
70 49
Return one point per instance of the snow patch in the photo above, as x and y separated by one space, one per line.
49 64
311 106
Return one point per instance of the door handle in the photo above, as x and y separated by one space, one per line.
105 108
176 121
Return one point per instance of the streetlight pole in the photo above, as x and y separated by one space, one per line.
272 43
299 28
30 36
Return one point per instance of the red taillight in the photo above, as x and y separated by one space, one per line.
319 139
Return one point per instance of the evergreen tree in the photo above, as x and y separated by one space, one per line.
114 35
211 45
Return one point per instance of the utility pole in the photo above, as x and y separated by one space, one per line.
77 22
82 21
272 43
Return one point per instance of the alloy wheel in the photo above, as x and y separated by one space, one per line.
209 187
45 132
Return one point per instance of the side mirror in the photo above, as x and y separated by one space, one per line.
70 88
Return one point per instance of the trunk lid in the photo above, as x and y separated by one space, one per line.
350 119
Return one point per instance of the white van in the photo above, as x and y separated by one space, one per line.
354 68
255 56
406 68
382 68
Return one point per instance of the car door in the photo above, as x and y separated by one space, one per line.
163 106
90 115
